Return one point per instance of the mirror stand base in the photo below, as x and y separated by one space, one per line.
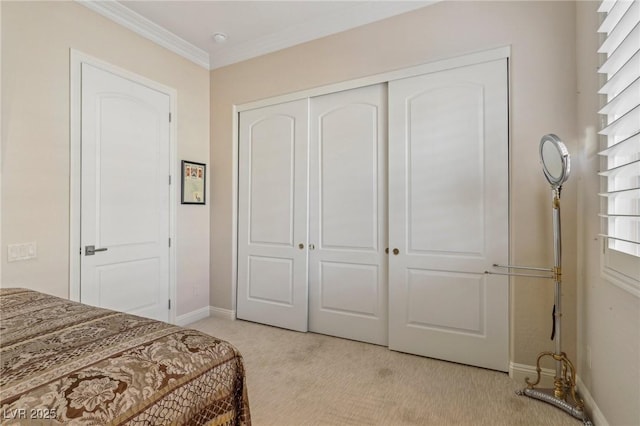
546 395
564 394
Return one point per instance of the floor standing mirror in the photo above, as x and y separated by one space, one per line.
556 166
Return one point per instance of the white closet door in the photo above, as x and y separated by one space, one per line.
347 228
448 215
272 215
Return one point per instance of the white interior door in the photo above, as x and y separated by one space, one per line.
124 195
348 220
448 215
272 215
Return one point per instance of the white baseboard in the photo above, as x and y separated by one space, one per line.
519 372
192 316
205 312
592 409
222 313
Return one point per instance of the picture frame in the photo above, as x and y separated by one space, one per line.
193 182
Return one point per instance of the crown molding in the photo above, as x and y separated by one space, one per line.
135 22
322 26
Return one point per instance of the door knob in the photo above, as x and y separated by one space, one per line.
312 246
396 251
300 246
91 250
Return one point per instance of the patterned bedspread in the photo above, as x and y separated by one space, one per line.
65 362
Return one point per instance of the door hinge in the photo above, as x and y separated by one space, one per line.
169 117
169 179
169 303
169 242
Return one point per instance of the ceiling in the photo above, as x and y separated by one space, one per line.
253 28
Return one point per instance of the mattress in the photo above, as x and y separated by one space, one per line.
69 363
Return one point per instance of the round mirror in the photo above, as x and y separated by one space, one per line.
555 160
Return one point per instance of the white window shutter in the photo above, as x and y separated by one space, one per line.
621 136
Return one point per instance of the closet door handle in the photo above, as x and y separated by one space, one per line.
386 250
312 246
396 251
301 246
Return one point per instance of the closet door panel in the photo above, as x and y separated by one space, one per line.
446 198
347 228
270 280
347 163
448 215
271 171
363 295
272 215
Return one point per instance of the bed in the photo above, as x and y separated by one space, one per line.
69 363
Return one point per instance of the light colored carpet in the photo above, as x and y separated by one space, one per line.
310 379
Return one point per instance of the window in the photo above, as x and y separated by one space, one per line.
620 169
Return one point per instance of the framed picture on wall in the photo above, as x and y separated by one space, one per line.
194 182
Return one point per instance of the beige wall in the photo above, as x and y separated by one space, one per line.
542 36
36 38
34 156
609 317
